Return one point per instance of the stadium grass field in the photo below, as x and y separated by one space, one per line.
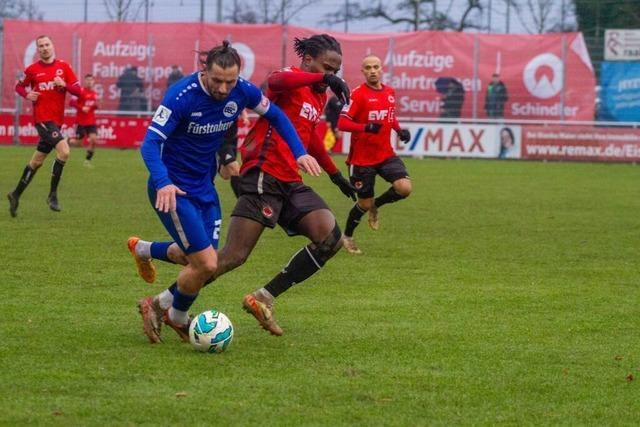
500 292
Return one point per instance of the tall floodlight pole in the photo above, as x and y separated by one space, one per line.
86 10
489 18
218 11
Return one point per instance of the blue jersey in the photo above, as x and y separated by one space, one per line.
189 126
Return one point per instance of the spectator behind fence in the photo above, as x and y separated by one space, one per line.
452 99
174 76
131 90
496 98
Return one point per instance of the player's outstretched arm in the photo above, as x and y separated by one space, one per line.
280 81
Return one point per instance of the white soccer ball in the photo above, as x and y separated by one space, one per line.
211 332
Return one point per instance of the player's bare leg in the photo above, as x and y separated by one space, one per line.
62 155
242 237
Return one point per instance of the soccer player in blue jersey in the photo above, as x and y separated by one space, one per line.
179 150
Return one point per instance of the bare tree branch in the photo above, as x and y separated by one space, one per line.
262 11
19 9
120 10
418 14
471 5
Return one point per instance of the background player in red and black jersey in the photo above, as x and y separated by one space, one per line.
86 105
49 80
370 118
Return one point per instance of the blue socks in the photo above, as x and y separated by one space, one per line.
159 251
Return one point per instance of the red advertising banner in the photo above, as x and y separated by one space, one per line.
113 131
534 68
581 143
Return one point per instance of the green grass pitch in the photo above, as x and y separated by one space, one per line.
499 293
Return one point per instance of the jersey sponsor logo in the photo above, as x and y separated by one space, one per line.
378 114
267 211
309 112
162 115
41 74
196 114
59 72
198 129
42 86
230 109
391 99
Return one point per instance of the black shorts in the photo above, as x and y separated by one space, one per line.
364 177
84 130
269 201
50 135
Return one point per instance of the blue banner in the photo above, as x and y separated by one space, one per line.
620 91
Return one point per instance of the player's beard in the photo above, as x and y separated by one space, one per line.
218 96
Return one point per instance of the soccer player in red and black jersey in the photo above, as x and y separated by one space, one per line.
272 191
49 80
86 105
370 118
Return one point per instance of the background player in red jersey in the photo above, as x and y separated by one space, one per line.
370 118
271 189
86 105
49 80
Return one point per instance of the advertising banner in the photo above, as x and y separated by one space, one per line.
533 68
622 45
113 131
620 91
453 140
581 143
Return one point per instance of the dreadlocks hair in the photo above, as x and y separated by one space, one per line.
315 45
223 56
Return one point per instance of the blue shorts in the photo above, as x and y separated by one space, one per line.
194 226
